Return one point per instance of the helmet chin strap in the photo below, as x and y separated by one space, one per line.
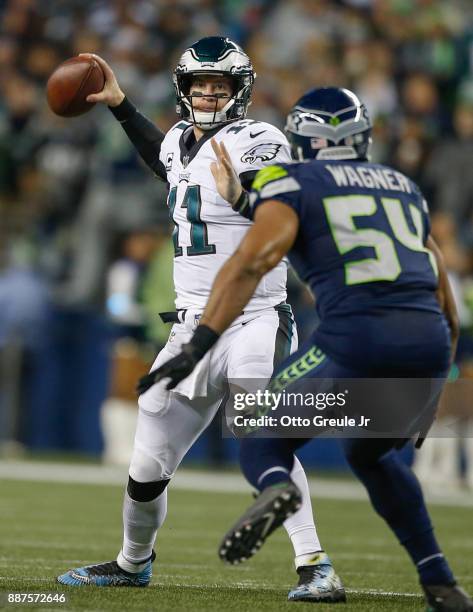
205 120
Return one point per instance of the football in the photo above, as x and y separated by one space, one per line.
71 83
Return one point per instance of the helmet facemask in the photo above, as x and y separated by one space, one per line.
235 108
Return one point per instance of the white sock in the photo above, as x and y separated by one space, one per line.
317 558
141 521
300 526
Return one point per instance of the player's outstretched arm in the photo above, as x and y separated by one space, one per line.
445 294
268 240
142 132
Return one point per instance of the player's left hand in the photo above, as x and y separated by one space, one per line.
176 369
226 179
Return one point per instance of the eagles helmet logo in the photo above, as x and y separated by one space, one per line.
264 151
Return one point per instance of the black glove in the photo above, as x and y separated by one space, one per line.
180 366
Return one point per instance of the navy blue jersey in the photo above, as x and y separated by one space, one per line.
361 248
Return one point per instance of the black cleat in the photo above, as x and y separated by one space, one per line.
271 508
108 574
444 598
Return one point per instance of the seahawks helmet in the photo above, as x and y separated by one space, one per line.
329 123
214 55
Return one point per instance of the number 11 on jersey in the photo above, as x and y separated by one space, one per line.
192 202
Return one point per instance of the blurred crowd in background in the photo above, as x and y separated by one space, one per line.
85 256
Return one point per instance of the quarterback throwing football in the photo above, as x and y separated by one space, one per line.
207 158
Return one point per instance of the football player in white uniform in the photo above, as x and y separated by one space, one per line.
207 158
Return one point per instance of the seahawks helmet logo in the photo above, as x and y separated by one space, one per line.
264 151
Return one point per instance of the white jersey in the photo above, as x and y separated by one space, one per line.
207 230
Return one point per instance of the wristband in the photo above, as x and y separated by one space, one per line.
242 205
203 339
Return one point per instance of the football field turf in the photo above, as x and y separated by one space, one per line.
47 528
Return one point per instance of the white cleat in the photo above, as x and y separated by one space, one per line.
318 582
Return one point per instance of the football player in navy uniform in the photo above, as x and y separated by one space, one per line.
358 233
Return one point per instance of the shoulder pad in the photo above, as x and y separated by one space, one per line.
269 174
